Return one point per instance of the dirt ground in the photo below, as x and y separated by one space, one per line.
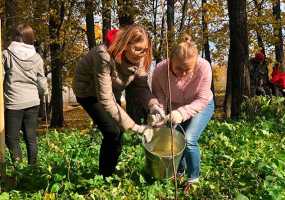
74 117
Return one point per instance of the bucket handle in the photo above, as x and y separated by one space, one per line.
181 128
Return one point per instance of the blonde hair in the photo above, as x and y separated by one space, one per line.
130 35
185 48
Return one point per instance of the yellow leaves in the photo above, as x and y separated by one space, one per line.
55 148
220 77
97 30
49 169
212 11
49 196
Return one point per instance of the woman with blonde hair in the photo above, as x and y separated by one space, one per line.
100 78
192 98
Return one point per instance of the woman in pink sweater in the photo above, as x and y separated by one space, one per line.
192 99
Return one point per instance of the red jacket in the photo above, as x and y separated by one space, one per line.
278 78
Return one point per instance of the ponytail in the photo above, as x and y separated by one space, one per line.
185 48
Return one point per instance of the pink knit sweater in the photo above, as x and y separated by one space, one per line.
190 94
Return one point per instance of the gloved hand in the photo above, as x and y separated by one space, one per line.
144 130
157 109
155 120
176 117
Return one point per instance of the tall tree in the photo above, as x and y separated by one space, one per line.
39 9
154 22
170 23
106 17
160 53
205 32
258 29
16 12
205 37
126 12
90 23
278 31
11 11
184 13
55 23
238 73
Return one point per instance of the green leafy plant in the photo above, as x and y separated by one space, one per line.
264 107
240 160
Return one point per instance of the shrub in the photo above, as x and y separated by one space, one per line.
264 107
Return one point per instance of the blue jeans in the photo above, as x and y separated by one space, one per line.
193 130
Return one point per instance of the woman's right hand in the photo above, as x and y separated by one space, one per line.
157 109
156 120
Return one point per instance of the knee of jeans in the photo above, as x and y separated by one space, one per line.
191 144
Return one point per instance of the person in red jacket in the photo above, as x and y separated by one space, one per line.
110 36
260 84
278 79
133 101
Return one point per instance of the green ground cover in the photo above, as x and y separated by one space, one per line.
242 159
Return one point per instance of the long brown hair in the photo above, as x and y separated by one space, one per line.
130 35
24 33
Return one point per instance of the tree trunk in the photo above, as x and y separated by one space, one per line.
40 7
160 53
126 12
90 23
238 76
170 23
278 31
55 23
184 13
206 46
11 8
154 10
106 17
258 6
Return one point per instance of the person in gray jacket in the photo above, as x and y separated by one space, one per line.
24 82
100 78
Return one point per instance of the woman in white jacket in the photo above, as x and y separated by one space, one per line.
24 82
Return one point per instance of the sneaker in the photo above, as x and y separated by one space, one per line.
180 176
195 180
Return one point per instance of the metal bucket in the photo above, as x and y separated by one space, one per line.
158 156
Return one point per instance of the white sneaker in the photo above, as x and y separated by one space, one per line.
195 180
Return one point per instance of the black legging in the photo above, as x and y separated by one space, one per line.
27 121
112 135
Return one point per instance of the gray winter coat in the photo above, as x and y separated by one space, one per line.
24 78
99 76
